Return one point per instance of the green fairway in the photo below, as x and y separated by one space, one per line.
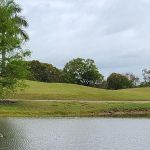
62 91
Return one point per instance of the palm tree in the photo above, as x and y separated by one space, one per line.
12 34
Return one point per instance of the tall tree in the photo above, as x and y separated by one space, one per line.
12 37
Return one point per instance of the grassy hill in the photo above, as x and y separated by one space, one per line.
53 91
62 91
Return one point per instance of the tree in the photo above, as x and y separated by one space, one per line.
133 78
146 77
12 36
118 81
82 71
44 72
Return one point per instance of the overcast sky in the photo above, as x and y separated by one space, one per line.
115 33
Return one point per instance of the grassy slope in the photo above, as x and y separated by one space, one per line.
46 91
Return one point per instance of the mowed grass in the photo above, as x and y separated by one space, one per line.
62 91
80 107
74 109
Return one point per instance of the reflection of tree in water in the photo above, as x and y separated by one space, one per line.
13 136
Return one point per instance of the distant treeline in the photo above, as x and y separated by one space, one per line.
84 72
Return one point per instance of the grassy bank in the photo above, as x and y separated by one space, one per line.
78 109
54 91
81 106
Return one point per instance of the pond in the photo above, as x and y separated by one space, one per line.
74 134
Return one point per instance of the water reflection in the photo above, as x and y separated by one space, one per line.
11 135
75 134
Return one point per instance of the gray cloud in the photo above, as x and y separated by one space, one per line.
115 33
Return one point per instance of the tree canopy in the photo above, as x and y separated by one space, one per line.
82 71
118 81
44 72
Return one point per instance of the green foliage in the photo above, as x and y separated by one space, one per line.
44 72
83 72
118 81
12 56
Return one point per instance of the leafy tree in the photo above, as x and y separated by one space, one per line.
44 72
118 81
12 36
81 71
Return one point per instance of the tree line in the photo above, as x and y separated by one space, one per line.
14 68
84 72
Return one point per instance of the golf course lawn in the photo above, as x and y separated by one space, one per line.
62 91
76 101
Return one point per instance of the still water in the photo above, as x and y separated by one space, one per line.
75 134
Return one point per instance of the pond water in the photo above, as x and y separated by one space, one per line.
74 134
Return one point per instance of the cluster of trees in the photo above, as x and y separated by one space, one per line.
122 81
117 81
84 72
77 71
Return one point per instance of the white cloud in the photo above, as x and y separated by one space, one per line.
116 33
